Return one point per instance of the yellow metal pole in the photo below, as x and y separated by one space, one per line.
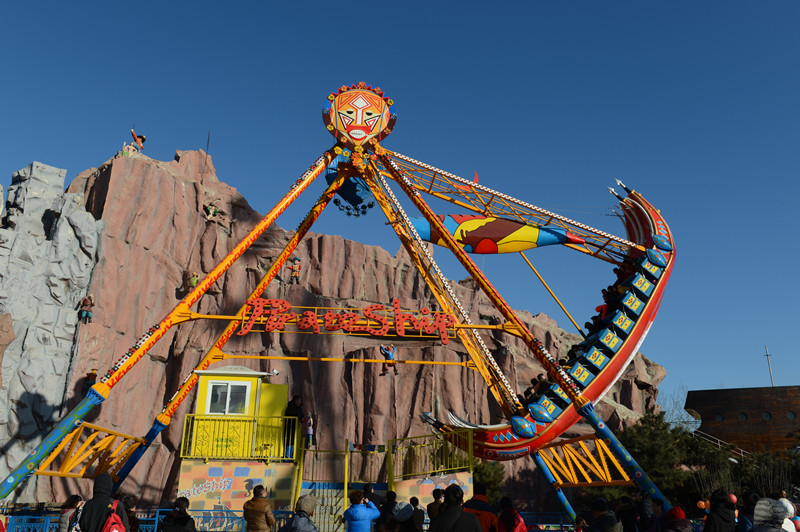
390 465
471 453
346 473
300 459
555 297
226 356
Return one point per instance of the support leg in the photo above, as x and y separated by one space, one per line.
552 480
636 472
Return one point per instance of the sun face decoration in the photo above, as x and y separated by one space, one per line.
358 114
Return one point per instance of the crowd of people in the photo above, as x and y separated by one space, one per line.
118 513
368 512
724 512
448 511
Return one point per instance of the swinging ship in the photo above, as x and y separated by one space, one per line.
601 358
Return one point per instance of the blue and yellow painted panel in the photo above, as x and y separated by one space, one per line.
559 392
632 303
597 358
607 338
553 409
653 271
621 322
642 285
581 375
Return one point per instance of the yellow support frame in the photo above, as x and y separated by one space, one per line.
109 452
573 463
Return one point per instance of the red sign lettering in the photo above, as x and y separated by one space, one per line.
274 314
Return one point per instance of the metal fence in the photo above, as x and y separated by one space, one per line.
36 520
430 454
32 520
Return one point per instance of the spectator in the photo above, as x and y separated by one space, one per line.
479 505
309 430
676 521
433 508
788 524
387 507
96 509
721 517
68 509
768 516
627 515
603 519
376 499
257 512
745 523
401 519
510 520
361 513
178 520
85 312
301 520
452 516
293 410
130 502
659 519
644 507
418 517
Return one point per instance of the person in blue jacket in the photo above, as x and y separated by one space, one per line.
362 512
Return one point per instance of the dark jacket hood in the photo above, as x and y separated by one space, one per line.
103 485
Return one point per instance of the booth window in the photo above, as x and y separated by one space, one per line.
228 397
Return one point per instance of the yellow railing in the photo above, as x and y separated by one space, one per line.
334 466
241 438
430 455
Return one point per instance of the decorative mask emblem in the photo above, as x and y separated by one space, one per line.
357 114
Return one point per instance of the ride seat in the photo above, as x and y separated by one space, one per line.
629 301
581 375
620 323
651 270
605 339
596 359
641 286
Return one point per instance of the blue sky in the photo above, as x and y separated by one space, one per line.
694 104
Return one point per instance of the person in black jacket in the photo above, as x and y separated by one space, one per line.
452 516
178 520
98 508
722 517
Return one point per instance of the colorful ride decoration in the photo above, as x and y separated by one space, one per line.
358 114
489 235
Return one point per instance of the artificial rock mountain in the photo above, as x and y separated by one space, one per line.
129 231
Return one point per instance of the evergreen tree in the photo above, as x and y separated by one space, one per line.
492 474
